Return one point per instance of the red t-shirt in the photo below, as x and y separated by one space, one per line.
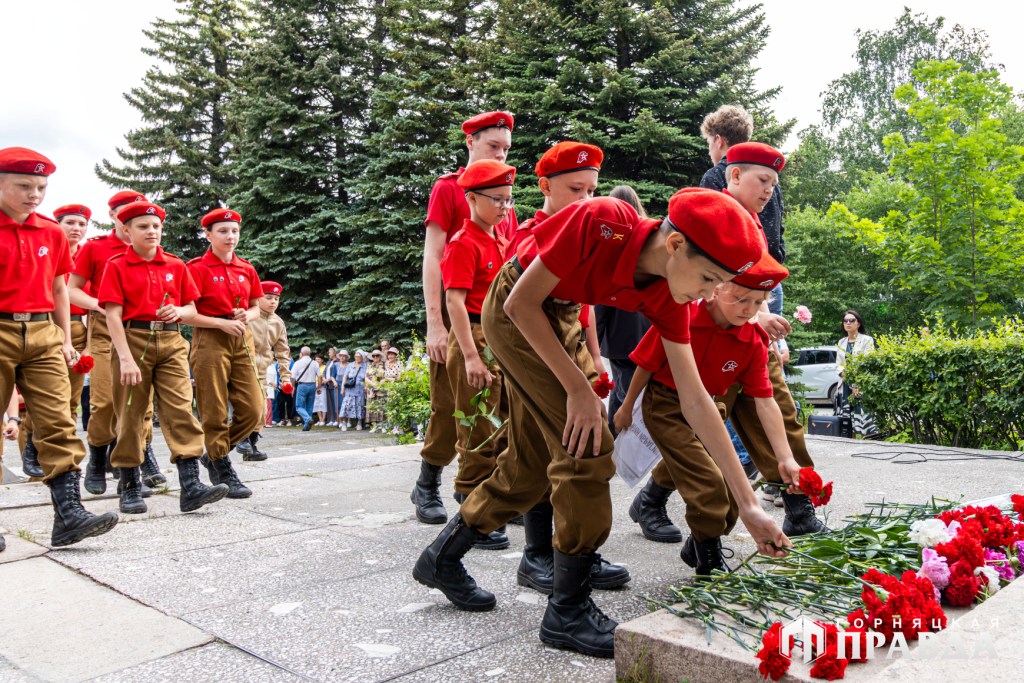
734 355
223 286
450 210
139 285
471 262
92 258
593 246
33 254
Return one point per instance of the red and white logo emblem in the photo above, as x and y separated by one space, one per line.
169 277
229 216
778 162
730 366
743 269
151 211
508 177
581 158
241 278
767 283
39 168
43 251
606 232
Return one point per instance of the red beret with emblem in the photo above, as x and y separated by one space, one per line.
73 210
271 287
25 161
125 197
755 153
490 119
763 275
220 216
568 156
718 227
481 175
136 209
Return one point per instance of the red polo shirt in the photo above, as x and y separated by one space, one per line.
223 286
92 258
593 246
471 262
34 253
733 355
139 285
449 209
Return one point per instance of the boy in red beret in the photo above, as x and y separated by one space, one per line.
733 355
84 283
222 357
74 220
145 293
471 261
488 136
592 252
567 172
270 339
36 348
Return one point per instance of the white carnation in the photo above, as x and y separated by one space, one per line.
928 533
991 576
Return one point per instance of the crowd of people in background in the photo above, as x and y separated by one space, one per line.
340 389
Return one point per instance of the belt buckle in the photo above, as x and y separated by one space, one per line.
156 325
22 317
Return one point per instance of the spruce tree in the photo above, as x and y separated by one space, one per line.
300 114
417 71
178 157
635 78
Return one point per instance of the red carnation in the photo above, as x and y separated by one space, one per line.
774 664
810 483
964 548
287 388
828 666
1018 505
826 495
84 365
603 386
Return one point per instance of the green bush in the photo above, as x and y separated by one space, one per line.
408 401
947 387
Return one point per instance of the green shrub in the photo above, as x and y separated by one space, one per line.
947 387
408 401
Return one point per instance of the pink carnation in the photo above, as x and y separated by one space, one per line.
803 314
935 569
998 561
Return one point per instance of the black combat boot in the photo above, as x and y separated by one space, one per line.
648 510
572 620
129 487
257 455
496 540
606 576
151 474
30 460
71 521
800 517
222 472
440 567
704 556
426 495
96 470
194 493
537 567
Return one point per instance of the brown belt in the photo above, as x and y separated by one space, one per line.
77 318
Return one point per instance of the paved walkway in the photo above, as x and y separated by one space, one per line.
310 578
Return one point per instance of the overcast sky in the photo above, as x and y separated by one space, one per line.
69 62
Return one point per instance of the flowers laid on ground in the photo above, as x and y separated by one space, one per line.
879 581
603 386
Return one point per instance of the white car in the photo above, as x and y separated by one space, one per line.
818 373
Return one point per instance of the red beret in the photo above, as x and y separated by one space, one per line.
271 287
491 119
73 210
25 161
764 274
566 157
125 197
219 216
721 230
136 209
755 153
481 175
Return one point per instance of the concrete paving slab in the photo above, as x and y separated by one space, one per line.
23 494
215 661
20 549
104 630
